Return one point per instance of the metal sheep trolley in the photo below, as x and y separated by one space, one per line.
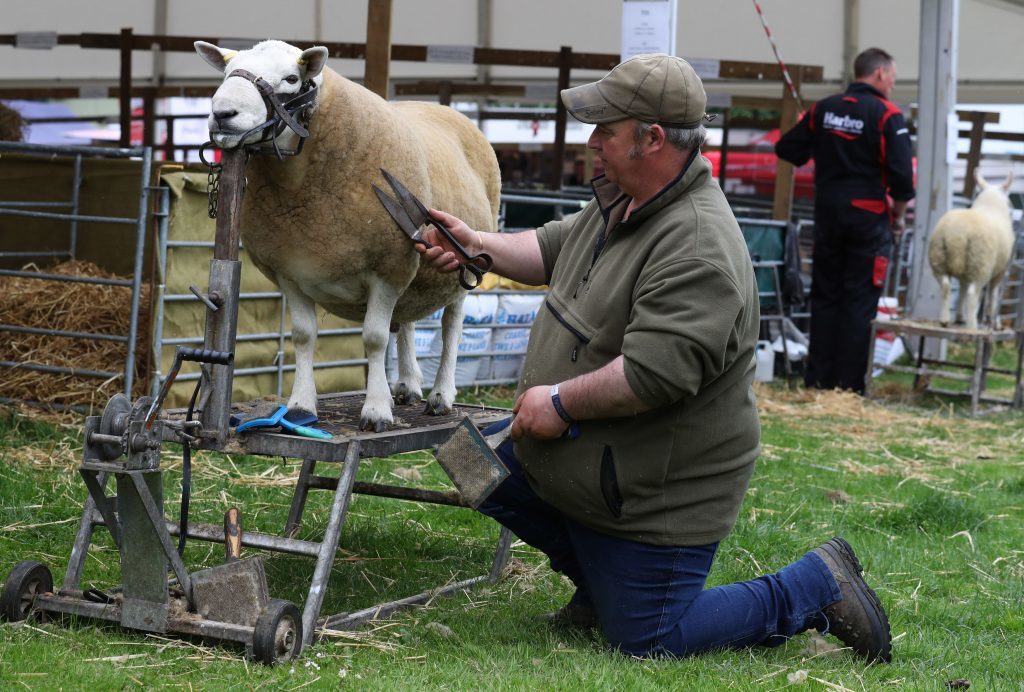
228 602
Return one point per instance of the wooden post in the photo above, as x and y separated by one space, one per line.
723 150
977 120
444 93
782 205
125 97
564 70
378 47
149 117
229 206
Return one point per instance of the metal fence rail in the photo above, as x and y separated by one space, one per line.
31 209
162 299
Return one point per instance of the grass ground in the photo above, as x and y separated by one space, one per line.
932 501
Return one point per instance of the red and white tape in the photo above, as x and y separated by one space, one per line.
775 49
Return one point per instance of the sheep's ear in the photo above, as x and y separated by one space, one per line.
982 183
1009 180
312 61
216 57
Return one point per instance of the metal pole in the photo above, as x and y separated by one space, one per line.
329 546
76 185
160 284
936 117
140 247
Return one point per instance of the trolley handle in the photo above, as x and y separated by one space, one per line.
202 355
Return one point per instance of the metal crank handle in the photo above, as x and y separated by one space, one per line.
202 355
196 355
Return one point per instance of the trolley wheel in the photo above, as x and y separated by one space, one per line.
277 635
28 579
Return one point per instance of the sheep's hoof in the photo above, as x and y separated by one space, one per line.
436 406
405 395
373 425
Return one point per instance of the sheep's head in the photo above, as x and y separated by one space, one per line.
992 196
238 106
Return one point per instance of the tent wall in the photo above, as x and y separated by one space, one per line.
807 32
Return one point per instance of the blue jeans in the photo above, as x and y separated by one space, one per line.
650 600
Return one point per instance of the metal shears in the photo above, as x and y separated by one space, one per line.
410 214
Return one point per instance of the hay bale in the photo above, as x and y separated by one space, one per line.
71 307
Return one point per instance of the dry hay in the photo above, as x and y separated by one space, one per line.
72 307
12 125
835 404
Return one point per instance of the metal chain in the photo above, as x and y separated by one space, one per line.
213 188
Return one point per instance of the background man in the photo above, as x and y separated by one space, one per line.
862 155
635 424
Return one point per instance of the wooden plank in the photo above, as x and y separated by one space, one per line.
730 69
378 47
768 71
430 87
782 203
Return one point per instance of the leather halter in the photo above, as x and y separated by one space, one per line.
293 114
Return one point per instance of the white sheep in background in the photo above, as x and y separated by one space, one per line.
313 225
975 246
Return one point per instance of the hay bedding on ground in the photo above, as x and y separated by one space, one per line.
73 307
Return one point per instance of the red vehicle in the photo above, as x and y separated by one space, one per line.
752 171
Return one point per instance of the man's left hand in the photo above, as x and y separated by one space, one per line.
536 417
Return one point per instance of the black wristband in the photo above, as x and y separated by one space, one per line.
556 401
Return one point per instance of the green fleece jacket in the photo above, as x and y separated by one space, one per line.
672 290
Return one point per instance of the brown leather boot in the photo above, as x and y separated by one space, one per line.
859 620
572 616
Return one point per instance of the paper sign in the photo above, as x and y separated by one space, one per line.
541 91
463 55
39 40
236 43
706 68
93 91
648 26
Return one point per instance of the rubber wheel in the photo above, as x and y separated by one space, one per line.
24 583
277 635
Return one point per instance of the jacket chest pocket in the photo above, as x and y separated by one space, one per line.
578 333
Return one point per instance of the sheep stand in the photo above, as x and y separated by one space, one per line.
974 246
312 224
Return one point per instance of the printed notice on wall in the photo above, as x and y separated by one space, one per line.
648 26
38 40
455 54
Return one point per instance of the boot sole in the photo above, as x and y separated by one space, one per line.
842 552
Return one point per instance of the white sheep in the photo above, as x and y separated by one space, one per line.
313 225
974 245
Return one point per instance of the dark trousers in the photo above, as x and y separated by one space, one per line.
650 600
851 252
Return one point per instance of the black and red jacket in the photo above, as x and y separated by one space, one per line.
861 149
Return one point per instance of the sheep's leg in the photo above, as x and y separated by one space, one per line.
303 314
380 305
992 301
944 308
970 303
442 396
409 388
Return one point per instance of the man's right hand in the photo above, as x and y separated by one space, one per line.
442 255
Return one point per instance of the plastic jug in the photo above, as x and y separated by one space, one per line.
765 356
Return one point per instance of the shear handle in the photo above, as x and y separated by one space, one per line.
472 269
